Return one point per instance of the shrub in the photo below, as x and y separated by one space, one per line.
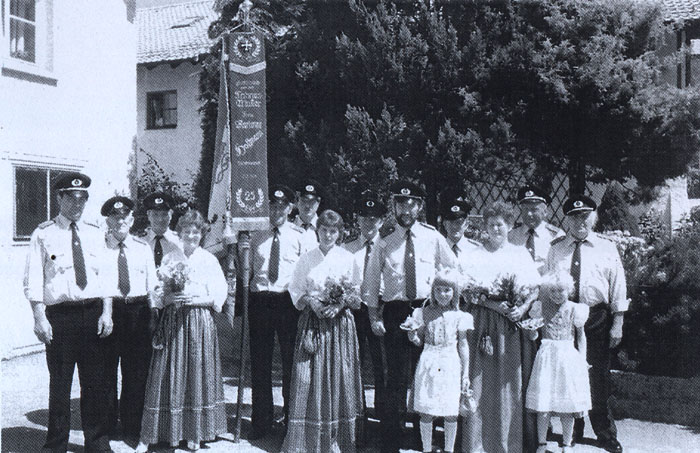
613 213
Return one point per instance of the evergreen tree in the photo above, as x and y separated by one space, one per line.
456 92
614 213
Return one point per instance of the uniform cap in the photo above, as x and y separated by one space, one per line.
454 208
310 188
117 205
159 201
406 189
532 193
72 181
279 192
370 205
579 203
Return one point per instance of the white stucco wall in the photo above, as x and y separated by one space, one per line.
83 120
176 150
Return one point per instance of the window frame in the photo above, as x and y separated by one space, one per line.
150 114
41 70
49 175
10 18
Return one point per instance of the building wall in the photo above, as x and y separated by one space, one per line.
77 114
176 150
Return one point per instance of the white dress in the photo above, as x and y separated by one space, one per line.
559 381
437 385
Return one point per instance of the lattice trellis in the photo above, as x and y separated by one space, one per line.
486 192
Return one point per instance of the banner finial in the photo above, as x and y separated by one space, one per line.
244 11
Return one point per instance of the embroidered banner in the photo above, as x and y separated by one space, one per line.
239 177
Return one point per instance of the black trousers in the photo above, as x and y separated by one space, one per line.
598 354
402 358
374 345
270 313
75 341
130 344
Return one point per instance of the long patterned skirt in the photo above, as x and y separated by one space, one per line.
184 392
326 390
496 379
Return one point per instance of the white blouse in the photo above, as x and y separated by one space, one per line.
313 268
206 281
483 266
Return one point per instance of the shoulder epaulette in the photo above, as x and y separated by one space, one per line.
428 226
351 238
473 242
139 240
551 228
384 232
296 227
94 225
557 240
43 225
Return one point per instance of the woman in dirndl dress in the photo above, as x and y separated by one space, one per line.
496 360
184 392
326 390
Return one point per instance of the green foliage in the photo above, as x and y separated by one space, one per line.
662 327
613 212
460 92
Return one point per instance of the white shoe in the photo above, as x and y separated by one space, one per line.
542 448
567 449
192 445
141 448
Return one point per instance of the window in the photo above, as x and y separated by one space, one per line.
23 30
161 110
35 201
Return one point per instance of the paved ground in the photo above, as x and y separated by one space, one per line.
24 419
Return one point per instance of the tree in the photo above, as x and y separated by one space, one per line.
456 92
614 213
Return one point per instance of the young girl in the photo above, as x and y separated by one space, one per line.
442 374
559 381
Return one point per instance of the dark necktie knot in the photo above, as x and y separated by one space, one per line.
306 226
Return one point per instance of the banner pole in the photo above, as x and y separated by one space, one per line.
244 257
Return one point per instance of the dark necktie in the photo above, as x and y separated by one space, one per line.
455 249
409 267
576 270
530 244
78 259
306 226
158 250
368 250
124 285
274 267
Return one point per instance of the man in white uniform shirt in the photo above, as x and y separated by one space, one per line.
131 280
454 213
370 213
599 282
308 201
159 236
534 234
404 261
274 253
63 280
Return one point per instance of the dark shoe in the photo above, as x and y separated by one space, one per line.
257 434
611 445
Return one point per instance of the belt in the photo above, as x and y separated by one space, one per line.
131 300
76 303
415 303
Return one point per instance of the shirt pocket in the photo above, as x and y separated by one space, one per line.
59 263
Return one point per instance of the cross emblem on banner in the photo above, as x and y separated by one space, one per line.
246 46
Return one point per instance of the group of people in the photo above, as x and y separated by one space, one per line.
106 300
505 332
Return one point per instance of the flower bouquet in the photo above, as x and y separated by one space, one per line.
174 276
340 292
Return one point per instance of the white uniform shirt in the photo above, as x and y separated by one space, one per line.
309 240
49 276
170 242
544 234
602 275
465 250
358 248
291 249
386 263
142 270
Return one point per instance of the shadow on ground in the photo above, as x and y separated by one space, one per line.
18 438
41 416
